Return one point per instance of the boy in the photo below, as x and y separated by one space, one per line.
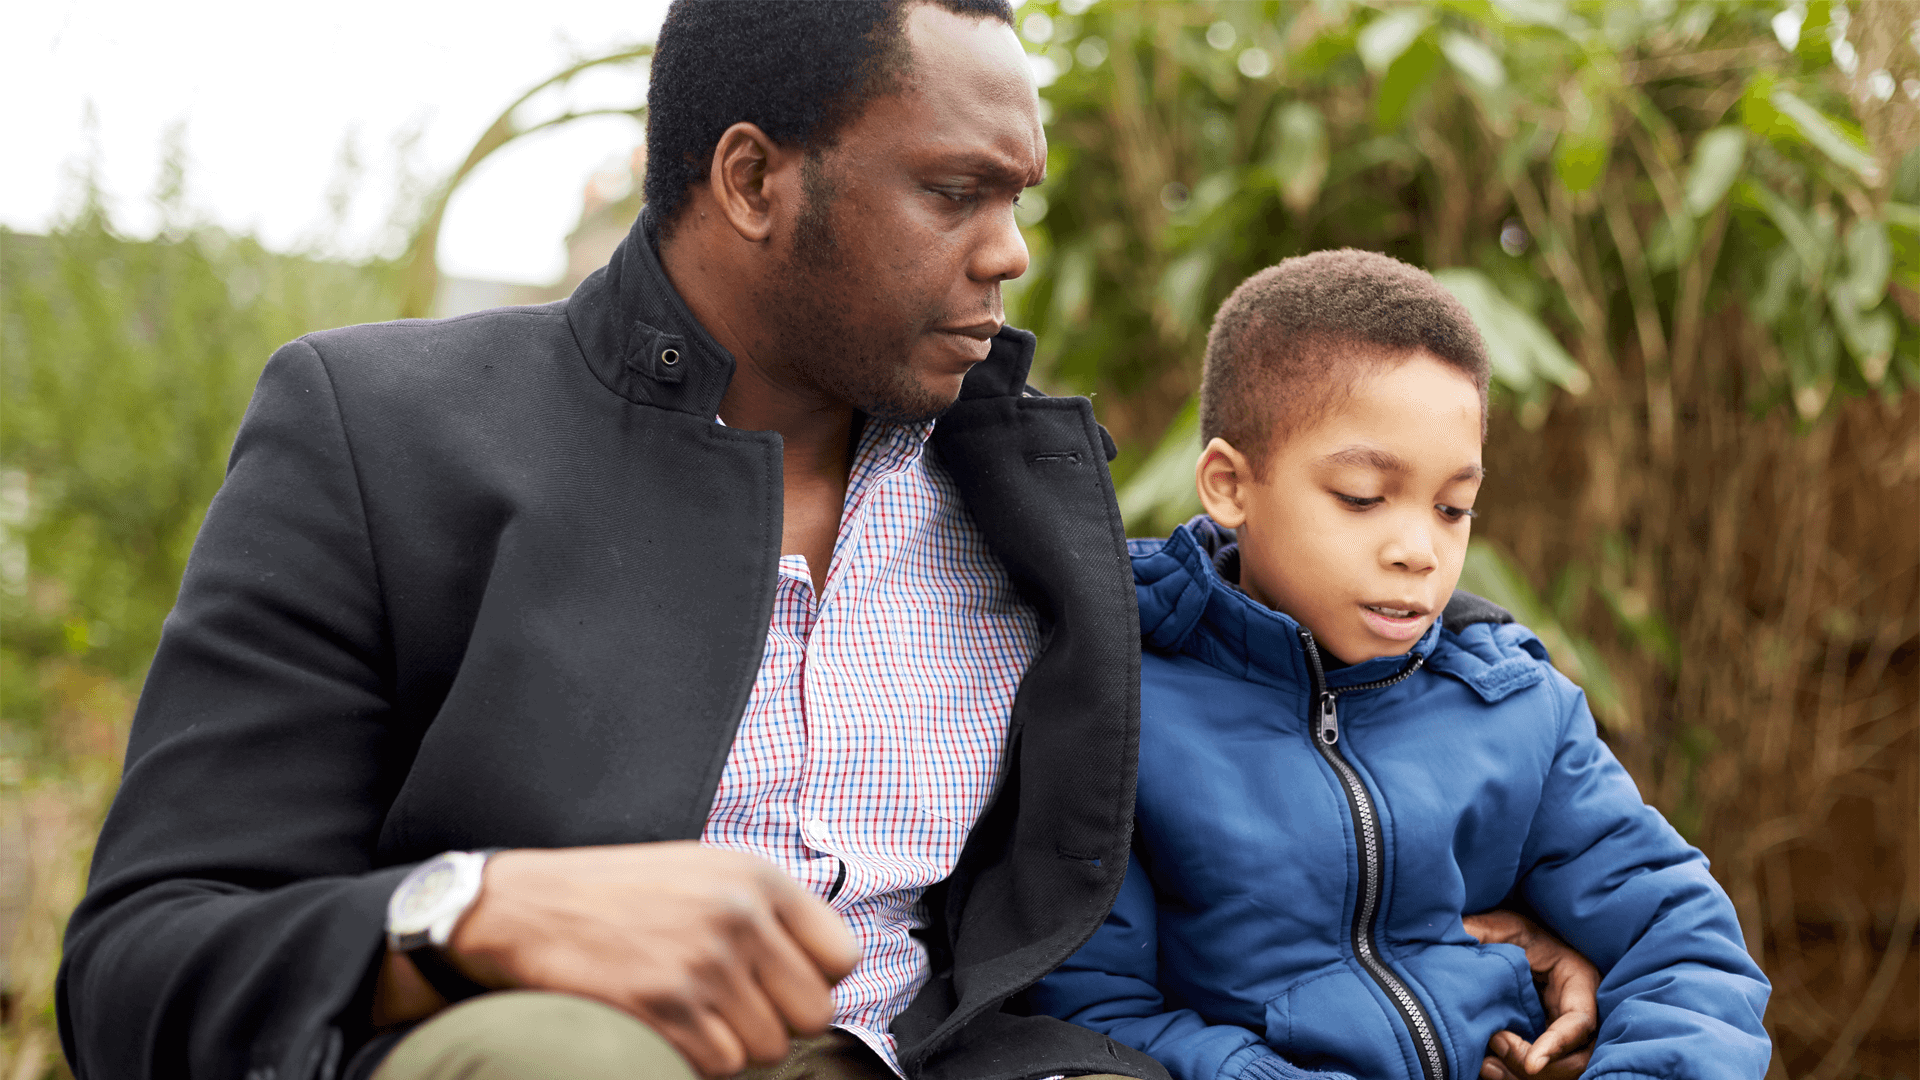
1335 766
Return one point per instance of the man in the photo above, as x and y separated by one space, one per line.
682 558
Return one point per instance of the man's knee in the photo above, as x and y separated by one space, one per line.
525 1035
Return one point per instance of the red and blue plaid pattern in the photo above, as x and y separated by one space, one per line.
874 731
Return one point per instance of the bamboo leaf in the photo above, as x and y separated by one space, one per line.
1521 350
1160 492
1869 261
1797 231
1301 154
1182 289
1825 136
1385 39
1717 159
1471 57
1404 81
1490 574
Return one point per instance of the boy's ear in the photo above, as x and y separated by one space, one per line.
1222 476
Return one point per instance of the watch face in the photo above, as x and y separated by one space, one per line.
416 904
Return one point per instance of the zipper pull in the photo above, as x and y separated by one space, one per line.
1329 719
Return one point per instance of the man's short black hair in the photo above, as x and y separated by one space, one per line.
801 70
1294 336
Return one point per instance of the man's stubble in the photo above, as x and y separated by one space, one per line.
827 346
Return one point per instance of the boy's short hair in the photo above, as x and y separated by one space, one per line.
1290 338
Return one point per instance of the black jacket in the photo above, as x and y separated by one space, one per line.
500 581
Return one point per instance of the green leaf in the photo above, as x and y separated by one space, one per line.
1869 337
1825 136
1183 288
1717 159
1580 156
1490 574
1160 492
1906 178
1301 154
1799 233
1471 57
1408 76
1869 261
1521 349
1072 285
1771 304
1383 40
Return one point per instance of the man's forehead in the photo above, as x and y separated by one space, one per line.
971 74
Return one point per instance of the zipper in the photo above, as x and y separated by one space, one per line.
1366 827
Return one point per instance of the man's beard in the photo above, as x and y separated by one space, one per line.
825 345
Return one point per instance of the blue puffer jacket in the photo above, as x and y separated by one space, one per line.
1477 780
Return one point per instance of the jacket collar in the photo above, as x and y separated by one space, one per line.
644 344
1187 607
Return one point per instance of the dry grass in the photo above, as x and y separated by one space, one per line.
50 812
1786 739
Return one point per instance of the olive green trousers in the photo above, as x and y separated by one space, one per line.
527 1035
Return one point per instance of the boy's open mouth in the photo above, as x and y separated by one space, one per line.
1393 612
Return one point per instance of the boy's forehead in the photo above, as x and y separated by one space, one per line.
1386 414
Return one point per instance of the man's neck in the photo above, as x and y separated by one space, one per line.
815 430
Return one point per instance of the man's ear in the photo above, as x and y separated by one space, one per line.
1222 476
753 180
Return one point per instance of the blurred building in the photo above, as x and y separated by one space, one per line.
608 206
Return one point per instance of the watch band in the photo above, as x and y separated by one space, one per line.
440 973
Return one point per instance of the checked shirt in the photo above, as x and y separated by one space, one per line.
874 730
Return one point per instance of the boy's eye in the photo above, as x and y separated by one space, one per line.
1358 503
1454 513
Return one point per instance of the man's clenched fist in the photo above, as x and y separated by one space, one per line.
721 953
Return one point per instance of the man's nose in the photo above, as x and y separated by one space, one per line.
1002 253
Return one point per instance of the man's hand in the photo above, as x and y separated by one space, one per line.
1568 986
721 953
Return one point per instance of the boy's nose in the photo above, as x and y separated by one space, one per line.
1411 549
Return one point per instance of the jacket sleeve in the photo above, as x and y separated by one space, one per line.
1679 995
233 916
1111 986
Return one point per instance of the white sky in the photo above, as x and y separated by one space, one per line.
269 94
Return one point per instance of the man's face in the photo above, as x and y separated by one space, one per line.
890 282
1359 527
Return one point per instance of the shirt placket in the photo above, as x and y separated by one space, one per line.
827 827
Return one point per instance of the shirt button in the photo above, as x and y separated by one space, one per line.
818 830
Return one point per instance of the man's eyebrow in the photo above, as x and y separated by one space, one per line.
1469 472
1367 457
994 170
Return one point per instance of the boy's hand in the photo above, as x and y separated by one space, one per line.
1568 986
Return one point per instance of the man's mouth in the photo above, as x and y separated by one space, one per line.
979 331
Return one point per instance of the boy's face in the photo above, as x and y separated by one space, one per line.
1359 527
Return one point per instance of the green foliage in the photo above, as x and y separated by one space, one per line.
125 367
1184 158
1593 180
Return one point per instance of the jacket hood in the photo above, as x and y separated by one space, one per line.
1188 604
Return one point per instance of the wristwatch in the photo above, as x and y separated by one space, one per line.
423 912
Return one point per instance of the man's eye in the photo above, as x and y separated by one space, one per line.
1454 513
1357 502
